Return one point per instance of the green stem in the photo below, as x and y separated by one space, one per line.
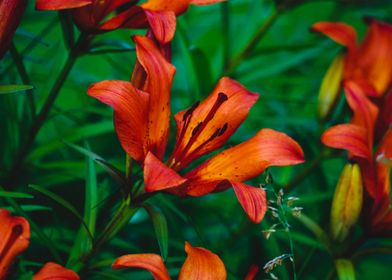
128 168
41 117
120 219
284 221
23 76
252 43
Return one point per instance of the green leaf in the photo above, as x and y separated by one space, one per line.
82 132
5 89
82 244
15 194
345 269
202 70
160 227
63 203
113 171
35 228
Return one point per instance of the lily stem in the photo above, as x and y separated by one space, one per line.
122 216
16 57
39 120
252 43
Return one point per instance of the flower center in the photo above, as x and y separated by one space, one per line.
180 155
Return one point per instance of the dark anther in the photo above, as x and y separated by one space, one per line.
223 129
196 129
190 110
216 134
222 97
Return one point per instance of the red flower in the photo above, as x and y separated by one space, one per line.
368 63
51 271
14 239
11 12
90 15
200 264
358 139
142 121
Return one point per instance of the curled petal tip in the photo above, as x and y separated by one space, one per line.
201 264
151 262
253 201
53 271
350 137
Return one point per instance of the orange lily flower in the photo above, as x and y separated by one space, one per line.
367 63
199 264
11 12
14 239
141 120
358 138
53 270
90 15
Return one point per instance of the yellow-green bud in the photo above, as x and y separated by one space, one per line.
330 87
347 202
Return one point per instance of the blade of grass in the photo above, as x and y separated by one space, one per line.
15 194
35 229
160 227
63 203
83 244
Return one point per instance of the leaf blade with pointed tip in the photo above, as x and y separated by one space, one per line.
160 228
6 89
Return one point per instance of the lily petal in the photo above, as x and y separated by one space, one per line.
205 2
244 161
53 271
11 12
178 6
385 148
133 17
201 264
253 201
150 262
365 112
207 127
158 84
130 113
350 137
157 176
376 55
14 239
341 33
61 4
162 24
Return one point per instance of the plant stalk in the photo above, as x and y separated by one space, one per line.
252 43
39 120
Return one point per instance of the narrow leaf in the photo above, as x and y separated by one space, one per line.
160 227
113 171
15 194
63 203
5 89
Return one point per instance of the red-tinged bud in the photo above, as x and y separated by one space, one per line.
347 202
11 12
330 87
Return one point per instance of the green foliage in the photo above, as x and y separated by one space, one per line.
75 166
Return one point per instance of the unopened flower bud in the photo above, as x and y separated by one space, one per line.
330 87
347 202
